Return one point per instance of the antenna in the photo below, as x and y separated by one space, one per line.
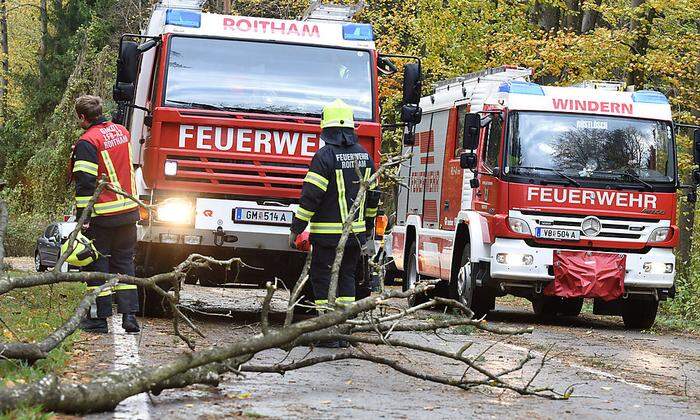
332 12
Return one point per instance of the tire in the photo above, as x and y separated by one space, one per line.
551 306
464 290
639 314
38 266
571 307
411 277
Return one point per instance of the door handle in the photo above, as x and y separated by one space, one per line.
447 204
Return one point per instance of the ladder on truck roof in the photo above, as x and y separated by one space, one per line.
332 12
609 85
182 4
477 86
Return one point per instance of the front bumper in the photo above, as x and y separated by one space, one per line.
273 238
541 267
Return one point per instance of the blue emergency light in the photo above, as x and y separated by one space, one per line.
358 32
523 88
649 97
186 18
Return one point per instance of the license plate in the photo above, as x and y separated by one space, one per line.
271 217
557 234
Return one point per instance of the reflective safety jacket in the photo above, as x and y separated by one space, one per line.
331 186
105 149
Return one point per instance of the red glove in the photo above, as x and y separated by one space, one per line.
302 242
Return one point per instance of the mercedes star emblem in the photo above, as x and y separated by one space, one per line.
591 226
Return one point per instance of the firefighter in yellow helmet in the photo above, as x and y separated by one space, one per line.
327 195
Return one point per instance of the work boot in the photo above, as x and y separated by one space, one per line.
130 324
94 325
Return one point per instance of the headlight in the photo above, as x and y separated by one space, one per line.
659 235
175 210
519 226
170 168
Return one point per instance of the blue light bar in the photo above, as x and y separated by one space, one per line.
523 88
358 32
649 97
186 18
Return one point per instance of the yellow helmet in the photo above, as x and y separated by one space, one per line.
84 252
337 114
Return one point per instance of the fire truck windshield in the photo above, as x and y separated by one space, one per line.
266 77
591 147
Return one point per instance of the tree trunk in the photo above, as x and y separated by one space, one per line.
640 26
3 229
5 51
590 18
227 7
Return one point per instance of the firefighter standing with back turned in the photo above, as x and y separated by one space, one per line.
328 192
105 149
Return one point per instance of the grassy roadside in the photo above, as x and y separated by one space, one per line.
29 315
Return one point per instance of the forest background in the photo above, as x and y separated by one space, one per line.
54 50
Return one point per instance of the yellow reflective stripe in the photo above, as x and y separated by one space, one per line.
124 287
361 215
85 166
345 299
110 169
114 206
321 302
317 180
334 228
342 204
131 167
102 293
82 201
370 213
303 214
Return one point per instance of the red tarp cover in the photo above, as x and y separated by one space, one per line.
587 274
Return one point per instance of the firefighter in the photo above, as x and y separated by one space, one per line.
328 192
105 149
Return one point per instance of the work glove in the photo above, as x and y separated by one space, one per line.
292 240
369 249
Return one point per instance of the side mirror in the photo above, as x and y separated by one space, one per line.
385 66
411 114
472 124
696 146
142 48
467 160
127 68
412 85
409 139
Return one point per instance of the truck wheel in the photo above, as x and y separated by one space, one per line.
545 306
463 289
571 306
412 277
639 314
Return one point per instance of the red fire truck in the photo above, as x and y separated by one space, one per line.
554 194
224 114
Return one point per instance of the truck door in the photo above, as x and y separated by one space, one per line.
486 196
451 200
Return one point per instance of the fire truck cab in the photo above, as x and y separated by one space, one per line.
554 194
224 114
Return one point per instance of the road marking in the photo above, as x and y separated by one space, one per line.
594 371
126 354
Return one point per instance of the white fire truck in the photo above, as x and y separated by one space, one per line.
554 194
224 113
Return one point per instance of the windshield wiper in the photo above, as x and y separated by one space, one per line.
237 109
561 174
628 174
197 105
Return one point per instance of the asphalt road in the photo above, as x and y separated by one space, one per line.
615 373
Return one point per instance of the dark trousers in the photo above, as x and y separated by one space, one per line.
320 272
116 245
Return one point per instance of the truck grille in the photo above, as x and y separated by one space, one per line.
612 228
267 175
